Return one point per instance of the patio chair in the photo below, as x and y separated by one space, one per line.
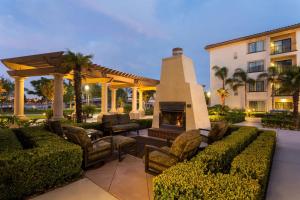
94 152
184 147
217 132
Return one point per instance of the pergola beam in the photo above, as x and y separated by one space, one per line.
37 71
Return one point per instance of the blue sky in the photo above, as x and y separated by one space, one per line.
133 35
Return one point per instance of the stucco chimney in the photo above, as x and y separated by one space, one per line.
177 51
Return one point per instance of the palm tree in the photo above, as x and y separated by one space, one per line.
272 77
222 73
76 61
223 93
290 82
241 78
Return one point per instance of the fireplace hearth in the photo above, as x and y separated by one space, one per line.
172 115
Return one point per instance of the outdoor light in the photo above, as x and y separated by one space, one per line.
208 93
283 100
272 64
86 87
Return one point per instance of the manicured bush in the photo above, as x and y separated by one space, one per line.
219 113
219 155
144 123
279 120
52 161
200 178
255 161
92 125
8 141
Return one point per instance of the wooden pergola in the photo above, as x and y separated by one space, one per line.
53 64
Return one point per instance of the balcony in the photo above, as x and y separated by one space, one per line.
282 46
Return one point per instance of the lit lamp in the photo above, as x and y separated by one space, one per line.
208 93
87 88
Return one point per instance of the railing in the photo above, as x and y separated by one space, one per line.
278 49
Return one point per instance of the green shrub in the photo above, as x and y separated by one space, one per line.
255 161
127 108
200 178
89 110
279 120
149 111
144 123
8 141
49 113
92 125
219 113
52 161
219 155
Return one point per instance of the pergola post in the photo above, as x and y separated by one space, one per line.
58 102
134 114
113 100
141 108
104 98
19 97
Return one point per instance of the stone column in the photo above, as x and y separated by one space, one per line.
19 97
58 102
141 109
104 98
134 114
113 100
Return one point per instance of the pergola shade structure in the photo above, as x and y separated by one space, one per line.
53 64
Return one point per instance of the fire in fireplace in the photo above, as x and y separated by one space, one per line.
172 115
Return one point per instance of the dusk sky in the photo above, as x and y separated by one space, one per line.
134 35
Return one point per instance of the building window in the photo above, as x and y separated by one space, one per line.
282 65
281 46
256 66
257 86
257 106
283 105
256 46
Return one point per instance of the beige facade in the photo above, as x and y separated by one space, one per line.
279 47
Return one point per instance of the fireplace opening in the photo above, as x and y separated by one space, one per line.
172 115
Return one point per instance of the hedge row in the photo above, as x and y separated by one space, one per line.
255 161
8 141
187 181
52 161
201 177
219 155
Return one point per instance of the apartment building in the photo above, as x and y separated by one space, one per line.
255 53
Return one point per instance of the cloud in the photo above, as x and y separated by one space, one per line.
138 15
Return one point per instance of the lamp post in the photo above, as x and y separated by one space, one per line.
87 88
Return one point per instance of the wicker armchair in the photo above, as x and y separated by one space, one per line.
184 147
95 151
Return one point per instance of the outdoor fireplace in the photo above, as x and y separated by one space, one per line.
172 115
180 103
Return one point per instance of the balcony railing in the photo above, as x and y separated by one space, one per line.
285 48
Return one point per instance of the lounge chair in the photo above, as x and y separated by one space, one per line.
184 147
95 151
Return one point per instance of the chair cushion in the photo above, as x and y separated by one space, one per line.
121 141
123 118
185 143
218 130
78 136
165 160
125 127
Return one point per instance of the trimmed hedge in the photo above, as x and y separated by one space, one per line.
52 161
255 161
200 178
8 141
186 181
219 155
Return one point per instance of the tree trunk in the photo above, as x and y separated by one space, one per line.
296 108
77 89
223 101
245 96
272 95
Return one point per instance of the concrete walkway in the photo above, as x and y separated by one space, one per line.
285 175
